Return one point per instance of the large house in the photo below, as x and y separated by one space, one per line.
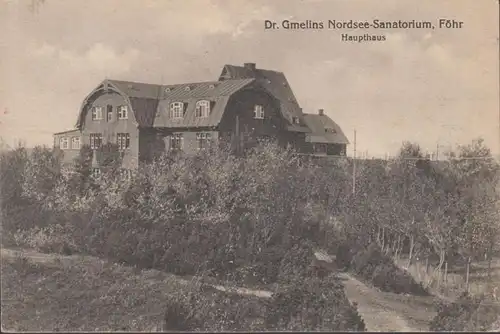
243 105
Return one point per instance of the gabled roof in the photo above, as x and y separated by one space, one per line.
149 100
318 125
276 84
217 92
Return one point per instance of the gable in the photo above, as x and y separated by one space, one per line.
277 85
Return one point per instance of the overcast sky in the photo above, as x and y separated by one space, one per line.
428 86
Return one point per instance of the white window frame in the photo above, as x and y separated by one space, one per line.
64 143
96 172
177 110
75 140
258 111
202 108
97 113
122 112
92 140
123 141
203 140
174 138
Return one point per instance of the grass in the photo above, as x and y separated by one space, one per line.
93 295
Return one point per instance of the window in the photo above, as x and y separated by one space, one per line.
123 140
176 141
202 108
96 172
258 112
295 120
125 173
177 110
96 113
203 139
109 113
320 148
63 143
95 140
330 130
122 112
75 143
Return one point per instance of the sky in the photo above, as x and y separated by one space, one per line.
432 87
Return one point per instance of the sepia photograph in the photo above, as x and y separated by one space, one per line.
249 165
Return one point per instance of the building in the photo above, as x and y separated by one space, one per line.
242 106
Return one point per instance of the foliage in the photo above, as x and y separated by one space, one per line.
468 313
373 266
313 305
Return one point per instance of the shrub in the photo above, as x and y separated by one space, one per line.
468 313
379 269
51 239
312 305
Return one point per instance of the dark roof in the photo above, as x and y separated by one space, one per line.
276 84
67 131
150 100
218 93
318 124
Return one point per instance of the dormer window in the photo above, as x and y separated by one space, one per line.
211 86
295 120
187 89
177 110
202 108
96 113
258 112
168 89
122 112
330 130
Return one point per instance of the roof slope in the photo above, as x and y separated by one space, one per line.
318 125
150 102
217 92
276 84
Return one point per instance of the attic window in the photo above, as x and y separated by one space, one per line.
202 108
212 86
330 130
295 120
187 88
177 110
168 89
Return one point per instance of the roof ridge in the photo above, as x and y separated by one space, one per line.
177 84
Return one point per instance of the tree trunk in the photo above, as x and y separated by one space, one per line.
467 275
490 249
440 265
383 238
398 247
378 236
446 272
412 244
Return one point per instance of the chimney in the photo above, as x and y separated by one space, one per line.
249 66
321 112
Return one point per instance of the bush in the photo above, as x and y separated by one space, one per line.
313 305
380 270
468 313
